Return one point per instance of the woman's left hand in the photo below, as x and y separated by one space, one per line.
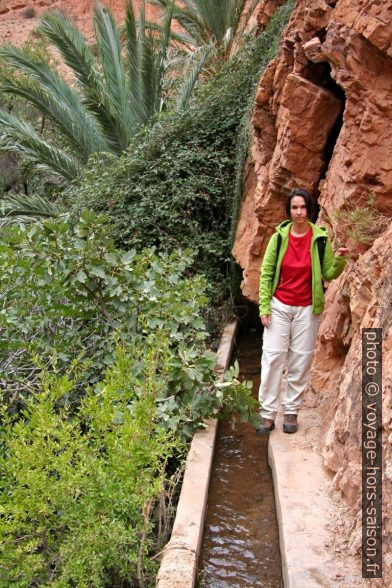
342 251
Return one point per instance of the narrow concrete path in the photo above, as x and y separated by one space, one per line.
307 513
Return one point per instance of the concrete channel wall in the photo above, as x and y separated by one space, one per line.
179 563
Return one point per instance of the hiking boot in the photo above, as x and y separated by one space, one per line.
265 427
290 423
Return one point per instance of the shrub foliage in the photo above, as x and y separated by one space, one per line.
104 375
68 292
174 187
78 491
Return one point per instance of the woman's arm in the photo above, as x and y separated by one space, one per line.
267 274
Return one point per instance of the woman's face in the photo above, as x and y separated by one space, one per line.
298 210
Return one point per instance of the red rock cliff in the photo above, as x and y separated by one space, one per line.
323 120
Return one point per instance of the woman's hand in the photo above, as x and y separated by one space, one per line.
342 251
266 320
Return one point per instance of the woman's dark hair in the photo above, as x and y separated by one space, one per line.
305 195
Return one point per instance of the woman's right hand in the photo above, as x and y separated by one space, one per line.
266 320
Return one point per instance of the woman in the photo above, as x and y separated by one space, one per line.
291 303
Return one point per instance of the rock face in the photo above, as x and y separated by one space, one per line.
322 120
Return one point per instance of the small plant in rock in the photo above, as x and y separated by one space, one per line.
28 12
361 224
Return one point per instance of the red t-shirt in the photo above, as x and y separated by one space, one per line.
295 282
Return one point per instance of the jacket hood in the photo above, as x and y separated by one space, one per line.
284 227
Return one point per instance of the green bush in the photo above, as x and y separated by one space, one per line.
84 447
78 491
82 467
174 187
67 294
65 288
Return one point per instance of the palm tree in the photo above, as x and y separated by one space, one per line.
112 99
211 31
18 208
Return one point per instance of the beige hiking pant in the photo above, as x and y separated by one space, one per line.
292 332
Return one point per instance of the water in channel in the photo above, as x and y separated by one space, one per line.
240 543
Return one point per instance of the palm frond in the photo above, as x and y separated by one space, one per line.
19 137
189 20
159 3
162 57
177 38
146 54
20 208
147 67
62 104
213 15
109 48
192 77
133 58
75 125
65 36
203 22
179 61
234 13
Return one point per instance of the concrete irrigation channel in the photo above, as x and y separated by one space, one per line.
240 544
252 511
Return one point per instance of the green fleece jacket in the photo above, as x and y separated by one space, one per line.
333 265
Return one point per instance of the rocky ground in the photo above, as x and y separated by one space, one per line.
19 18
